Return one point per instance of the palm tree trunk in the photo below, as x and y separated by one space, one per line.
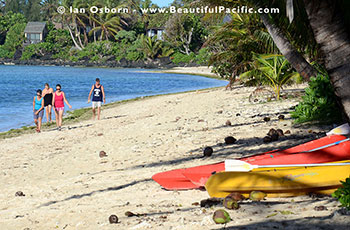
72 36
285 47
330 33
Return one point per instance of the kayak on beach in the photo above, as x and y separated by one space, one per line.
280 181
196 177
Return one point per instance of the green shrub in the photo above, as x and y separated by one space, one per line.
39 49
342 194
182 58
202 57
14 39
318 103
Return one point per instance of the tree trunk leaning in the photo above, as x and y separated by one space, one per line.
285 47
330 33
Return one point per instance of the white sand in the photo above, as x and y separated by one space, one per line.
67 185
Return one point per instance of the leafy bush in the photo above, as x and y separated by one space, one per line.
14 39
343 194
37 50
271 69
202 57
182 58
319 102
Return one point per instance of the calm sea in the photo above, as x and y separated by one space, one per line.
18 85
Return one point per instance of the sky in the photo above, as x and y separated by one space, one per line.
162 3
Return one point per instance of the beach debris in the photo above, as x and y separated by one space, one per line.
100 134
320 208
103 154
19 193
236 196
280 132
207 203
271 132
257 195
220 112
344 129
238 114
208 151
200 120
281 117
274 137
267 119
131 214
195 203
267 139
230 140
113 219
287 132
230 203
228 123
221 217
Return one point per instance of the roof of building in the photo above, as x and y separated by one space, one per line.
35 27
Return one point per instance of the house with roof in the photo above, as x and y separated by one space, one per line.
35 32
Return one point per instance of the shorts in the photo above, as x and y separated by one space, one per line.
59 109
40 114
96 104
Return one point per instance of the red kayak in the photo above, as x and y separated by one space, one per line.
195 177
332 148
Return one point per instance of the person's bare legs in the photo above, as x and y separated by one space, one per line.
57 118
98 113
39 124
36 123
60 117
93 113
48 113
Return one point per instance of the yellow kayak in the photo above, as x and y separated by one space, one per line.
280 182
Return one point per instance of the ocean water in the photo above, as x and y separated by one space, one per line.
18 85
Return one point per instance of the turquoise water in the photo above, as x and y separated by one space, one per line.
18 85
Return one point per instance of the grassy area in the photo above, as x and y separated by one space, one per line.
82 114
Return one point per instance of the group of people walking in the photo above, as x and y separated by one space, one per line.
47 99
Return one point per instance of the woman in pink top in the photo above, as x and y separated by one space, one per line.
58 102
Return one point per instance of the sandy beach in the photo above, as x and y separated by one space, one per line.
68 186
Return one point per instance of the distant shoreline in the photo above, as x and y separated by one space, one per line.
82 114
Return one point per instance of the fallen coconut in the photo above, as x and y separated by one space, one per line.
281 117
280 132
221 217
257 196
230 203
230 140
287 132
274 137
103 154
236 196
19 193
267 139
271 132
228 123
208 151
113 219
267 119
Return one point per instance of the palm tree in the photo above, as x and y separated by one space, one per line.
151 46
331 34
108 25
275 70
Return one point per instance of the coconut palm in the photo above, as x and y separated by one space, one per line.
273 70
108 25
151 46
331 34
